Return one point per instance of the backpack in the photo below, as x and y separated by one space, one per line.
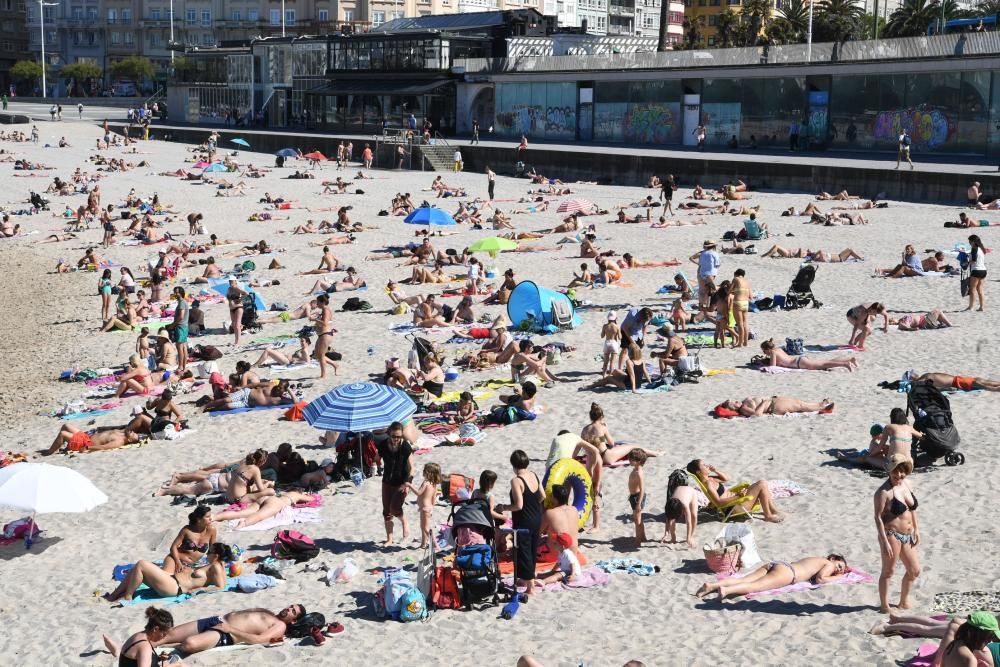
444 589
454 483
678 477
794 346
302 627
291 544
354 303
474 558
447 312
206 352
412 606
395 584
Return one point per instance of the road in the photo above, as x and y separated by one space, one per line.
94 113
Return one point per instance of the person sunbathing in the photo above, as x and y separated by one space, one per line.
859 205
630 378
300 356
713 482
840 196
252 398
530 361
97 440
836 219
334 240
200 580
844 255
586 278
452 257
630 262
265 508
300 313
935 319
136 378
775 405
607 271
165 414
778 574
781 359
422 275
959 382
913 266
663 222
352 281
250 626
327 264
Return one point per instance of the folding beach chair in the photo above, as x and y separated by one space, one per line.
754 231
731 510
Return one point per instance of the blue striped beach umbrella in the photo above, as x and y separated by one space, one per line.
426 215
360 406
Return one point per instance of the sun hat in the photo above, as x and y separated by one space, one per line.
708 244
897 460
612 316
984 620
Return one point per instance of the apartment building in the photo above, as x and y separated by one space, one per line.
705 14
13 38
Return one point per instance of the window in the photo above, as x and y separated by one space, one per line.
190 16
112 16
275 17
155 14
129 39
290 17
734 2
711 41
77 11
236 16
116 38
207 39
154 39
8 46
206 18
91 38
92 13
126 16
701 3
253 15
323 15
349 15
713 20
378 18
713 3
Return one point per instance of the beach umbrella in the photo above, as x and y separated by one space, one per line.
201 164
41 488
360 406
426 215
575 206
315 155
493 245
287 152
214 167
240 142
221 285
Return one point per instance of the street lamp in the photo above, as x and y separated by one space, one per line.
809 46
171 32
41 17
282 18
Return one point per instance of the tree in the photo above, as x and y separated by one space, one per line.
26 70
795 14
873 26
135 68
755 19
727 28
80 73
661 42
838 21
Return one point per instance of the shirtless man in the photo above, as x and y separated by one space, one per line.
973 194
249 626
327 263
423 253
429 313
79 440
562 518
676 350
960 382
300 313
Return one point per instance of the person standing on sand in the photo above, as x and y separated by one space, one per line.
667 187
708 267
903 151
741 293
977 273
491 181
898 532
366 156
396 458
179 328
700 133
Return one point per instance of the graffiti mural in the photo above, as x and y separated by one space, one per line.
608 121
928 128
722 119
519 119
653 123
560 123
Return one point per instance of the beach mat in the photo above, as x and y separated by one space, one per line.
234 411
545 562
852 577
145 595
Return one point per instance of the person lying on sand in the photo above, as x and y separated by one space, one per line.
960 382
777 574
935 319
782 359
200 580
630 262
300 313
265 508
663 222
863 205
840 196
964 222
252 398
965 642
352 281
809 210
775 405
844 255
97 440
249 626
421 275
713 481
300 356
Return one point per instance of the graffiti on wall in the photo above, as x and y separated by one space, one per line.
653 123
722 119
928 128
560 122
534 120
608 118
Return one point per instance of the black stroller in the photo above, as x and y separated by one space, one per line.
478 564
250 321
800 294
38 201
932 417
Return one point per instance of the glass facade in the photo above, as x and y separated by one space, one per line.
956 112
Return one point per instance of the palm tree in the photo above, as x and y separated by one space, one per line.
837 21
791 25
913 17
728 28
755 18
661 43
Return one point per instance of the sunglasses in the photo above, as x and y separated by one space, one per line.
396 436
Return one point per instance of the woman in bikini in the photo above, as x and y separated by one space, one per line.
139 650
188 580
105 289
713 483
192 541
137 378
741 292
935 319
897 530
422 275
234 297
630 262
782 359
777 574
245 483
165 413
324 333
896 438
775 405
861 317
265 508
300 356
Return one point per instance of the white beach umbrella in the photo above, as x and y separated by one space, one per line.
41 488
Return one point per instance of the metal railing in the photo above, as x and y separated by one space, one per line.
909 48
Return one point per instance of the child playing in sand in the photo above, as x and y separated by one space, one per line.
612 335
585 278
426 494
466 413
637 493
567 566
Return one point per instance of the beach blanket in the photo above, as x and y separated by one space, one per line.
924 656
170 652
591 577
967 602
628 566
777 370
234 411
285 517
852 577
86 414
145 595
282 368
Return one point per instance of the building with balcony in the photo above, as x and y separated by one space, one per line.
705 15
13 37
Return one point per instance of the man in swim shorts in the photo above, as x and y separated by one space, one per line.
250 626
960 382
78 440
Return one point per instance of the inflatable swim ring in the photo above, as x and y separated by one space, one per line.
572 473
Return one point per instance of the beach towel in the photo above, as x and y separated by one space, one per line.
777 370
628 566
592 577
852 577
145 595
281 368
170 652
287 516
219 413
924 656
967 602
85 414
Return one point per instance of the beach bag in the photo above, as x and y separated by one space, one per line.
444 589
395 584
723 558
474 558
291 544
455 486
400 309
553 357
690 364
412 606
795 347
302 627
294 413
742 534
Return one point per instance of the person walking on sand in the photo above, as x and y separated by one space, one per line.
458 160
491 182
667 187
897 529
977 273
396 458
903 151
700 133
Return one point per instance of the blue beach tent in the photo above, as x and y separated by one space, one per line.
542 306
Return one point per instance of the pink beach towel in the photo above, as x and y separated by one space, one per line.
285 517
924 656
592 577
852 577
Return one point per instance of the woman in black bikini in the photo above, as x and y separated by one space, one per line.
139 649
234 297
184 581
777 574
324 333
245 483
526 514
898 534
164 413
713 483
192 540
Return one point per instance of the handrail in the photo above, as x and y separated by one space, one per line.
439 137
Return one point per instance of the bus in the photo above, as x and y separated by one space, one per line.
964 25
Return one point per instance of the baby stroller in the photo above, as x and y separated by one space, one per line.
421 347
250 320
932 417
39 202
478 564
800 294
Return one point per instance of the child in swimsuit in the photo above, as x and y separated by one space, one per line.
426 494
612 335
637 492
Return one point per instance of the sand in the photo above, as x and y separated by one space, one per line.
50 614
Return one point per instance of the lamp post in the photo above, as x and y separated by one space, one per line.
282 18
809 43
171 33
41 18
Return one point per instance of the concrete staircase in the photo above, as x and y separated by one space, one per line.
439 155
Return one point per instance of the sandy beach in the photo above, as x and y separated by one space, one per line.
50 607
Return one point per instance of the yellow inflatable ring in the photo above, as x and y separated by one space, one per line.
571 473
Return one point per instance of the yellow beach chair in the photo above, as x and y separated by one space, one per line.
732 509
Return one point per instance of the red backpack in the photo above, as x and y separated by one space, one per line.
444 589
294 545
